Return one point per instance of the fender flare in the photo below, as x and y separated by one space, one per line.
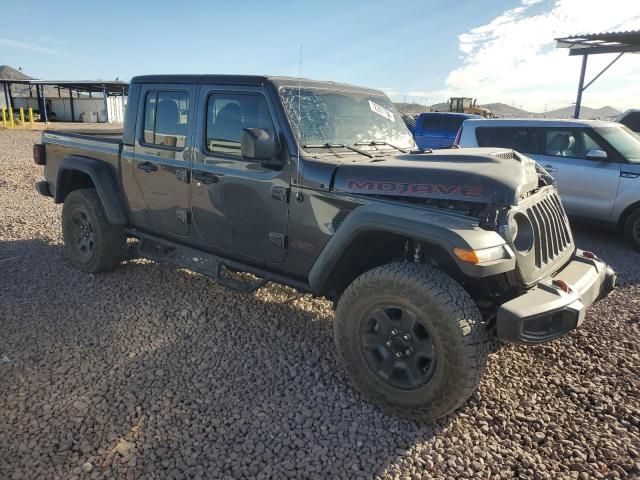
102 177
425 224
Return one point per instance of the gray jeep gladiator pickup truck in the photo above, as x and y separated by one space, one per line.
427 255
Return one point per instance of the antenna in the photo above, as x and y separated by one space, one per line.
298 164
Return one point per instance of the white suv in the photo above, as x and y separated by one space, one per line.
596 164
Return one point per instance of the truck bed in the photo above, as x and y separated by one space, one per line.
110 135
85 146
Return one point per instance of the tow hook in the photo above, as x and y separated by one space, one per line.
562 285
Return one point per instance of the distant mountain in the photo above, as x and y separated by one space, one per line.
10 73
498 109
502 110
585 112
411 108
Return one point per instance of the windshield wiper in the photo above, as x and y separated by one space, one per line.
374 144
339 145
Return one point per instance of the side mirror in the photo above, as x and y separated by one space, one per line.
259 144
596 155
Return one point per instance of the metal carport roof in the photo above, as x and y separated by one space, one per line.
598 43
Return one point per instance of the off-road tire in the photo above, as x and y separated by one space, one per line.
457 329
632 229
109 241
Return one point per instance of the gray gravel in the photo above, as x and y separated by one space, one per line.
158 372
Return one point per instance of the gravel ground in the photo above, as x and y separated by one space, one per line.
158 372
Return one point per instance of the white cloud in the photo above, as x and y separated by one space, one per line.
28 46
513 58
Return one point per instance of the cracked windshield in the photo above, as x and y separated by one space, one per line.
339 117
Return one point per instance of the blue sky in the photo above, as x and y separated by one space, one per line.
415 48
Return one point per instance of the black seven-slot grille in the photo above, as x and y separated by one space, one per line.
552 244
551 233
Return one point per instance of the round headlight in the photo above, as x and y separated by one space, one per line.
521 232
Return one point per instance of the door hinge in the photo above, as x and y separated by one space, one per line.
183 215
278 239
182 174
280 193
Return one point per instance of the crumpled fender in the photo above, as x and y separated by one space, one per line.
446 230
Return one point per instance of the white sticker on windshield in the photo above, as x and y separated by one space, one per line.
380 110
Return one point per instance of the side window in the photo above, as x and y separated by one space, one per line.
572 143
432 123
523 139
229 114
166 115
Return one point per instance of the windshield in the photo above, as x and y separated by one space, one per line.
623 140
332 116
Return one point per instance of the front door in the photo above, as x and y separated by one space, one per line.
238 205
161 159
588 187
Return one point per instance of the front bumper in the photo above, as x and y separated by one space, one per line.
547 311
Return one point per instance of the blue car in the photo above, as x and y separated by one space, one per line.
438 129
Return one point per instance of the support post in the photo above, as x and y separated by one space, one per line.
22 117
10 96
4 117
44 105
40 102
6 95
11 125
106 104
73 113
576 113
31 117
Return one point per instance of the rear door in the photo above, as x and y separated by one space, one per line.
161 157
588 188
238 205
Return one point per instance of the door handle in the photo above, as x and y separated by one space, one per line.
147 167
207 177
550 168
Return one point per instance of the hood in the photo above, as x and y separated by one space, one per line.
482 175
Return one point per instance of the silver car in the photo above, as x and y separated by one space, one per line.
596 164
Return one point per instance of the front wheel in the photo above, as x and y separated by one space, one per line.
632 229
412 340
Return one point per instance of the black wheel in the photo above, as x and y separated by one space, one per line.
412 340
91 243
632 229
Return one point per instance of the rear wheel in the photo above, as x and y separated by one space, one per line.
632 229
412 340
91 243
